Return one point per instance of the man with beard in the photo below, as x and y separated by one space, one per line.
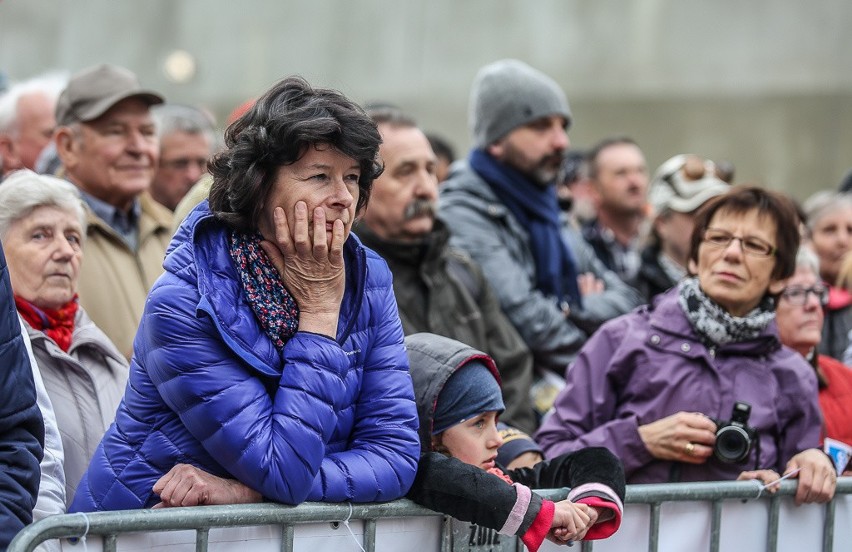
619 177
438 289
502 209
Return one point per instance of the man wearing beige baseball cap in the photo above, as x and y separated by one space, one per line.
107 141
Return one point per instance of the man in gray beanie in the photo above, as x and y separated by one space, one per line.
501 208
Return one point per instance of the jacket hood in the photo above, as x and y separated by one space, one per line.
433 359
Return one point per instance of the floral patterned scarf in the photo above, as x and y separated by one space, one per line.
272 304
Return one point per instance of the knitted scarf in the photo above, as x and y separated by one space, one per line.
714 324
536 209
57 324
270 301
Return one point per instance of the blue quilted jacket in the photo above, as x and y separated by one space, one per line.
21 424
319 420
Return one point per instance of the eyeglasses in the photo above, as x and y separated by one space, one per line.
752 246
798 296
183 163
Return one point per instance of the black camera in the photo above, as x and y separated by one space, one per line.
734 437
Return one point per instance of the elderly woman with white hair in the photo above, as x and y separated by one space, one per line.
42 228
799 316
829 222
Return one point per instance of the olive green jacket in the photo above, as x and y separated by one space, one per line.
441 290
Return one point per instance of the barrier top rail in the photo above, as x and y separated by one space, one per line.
206 517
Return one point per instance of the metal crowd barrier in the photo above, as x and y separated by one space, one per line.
110 525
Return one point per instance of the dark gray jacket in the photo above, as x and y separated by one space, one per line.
483 227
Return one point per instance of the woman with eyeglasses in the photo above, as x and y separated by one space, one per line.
800 318
655 386
829 224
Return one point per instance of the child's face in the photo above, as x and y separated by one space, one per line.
475 441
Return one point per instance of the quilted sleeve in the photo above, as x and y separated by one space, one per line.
381 461
272 439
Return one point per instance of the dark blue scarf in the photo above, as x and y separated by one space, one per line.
536 209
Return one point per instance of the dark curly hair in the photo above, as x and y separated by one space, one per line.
277 130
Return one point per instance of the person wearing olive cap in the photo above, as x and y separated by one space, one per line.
108 144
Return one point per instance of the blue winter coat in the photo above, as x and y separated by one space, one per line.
21 424
320 420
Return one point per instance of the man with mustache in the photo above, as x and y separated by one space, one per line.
438 289
619 178
108 144
502 209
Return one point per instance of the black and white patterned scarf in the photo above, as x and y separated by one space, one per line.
714 324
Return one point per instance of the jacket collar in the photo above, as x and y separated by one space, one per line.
200 252
426 252
670 329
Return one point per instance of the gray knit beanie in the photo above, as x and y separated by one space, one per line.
509 93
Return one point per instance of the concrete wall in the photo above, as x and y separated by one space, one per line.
766 84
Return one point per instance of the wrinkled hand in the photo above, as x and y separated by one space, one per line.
187 485
571 521
765 476
817 478
589 284
684 437
311 267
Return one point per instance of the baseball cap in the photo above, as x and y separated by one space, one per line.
683 183
91 92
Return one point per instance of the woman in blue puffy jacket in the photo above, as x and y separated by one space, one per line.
269 363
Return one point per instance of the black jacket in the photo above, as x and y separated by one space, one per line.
651 280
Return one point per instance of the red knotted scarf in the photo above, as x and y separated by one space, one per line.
58 324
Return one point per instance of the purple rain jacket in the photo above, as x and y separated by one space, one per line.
648 364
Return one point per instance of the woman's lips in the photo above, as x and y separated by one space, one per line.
729 276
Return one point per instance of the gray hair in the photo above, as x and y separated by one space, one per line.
24 191
171 118
50 84
807 258
824 203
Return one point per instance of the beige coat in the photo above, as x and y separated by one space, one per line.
85 386
114 281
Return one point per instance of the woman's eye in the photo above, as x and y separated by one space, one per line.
73 239
352 178
321 176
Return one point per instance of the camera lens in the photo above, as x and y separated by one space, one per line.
732 444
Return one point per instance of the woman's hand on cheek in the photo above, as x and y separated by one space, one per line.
310 268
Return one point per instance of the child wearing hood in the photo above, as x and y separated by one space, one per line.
457 390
